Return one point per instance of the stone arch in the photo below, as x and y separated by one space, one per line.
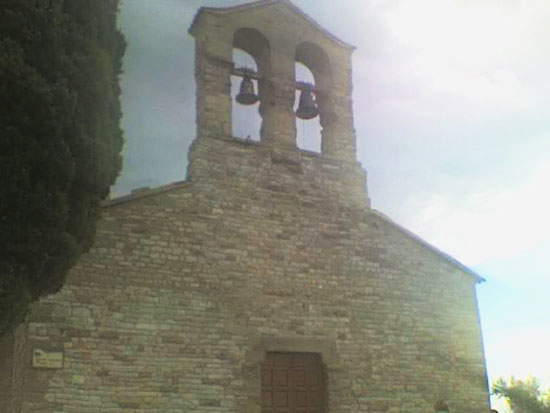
256 45
317 61
308 132
245 119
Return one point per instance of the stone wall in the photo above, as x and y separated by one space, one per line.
287 33
13 359
264 248
188 286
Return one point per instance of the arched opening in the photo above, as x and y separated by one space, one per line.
246 119
251 62
308 132
317 71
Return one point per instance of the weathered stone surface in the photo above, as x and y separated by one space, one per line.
264 248
173 311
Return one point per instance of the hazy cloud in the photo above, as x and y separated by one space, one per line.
452 109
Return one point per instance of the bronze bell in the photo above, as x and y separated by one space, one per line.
307 108
246 95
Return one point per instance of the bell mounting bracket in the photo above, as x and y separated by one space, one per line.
252 74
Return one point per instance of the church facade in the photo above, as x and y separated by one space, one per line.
264 282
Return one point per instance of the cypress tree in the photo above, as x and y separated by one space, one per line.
60 140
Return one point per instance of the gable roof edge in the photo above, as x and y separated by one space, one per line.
437 251
145 192
264 3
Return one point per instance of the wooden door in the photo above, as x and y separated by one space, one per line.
293 383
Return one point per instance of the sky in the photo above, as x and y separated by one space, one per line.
452 116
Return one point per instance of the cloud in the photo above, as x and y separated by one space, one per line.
487 223
479 59
424 70
517 352
453 106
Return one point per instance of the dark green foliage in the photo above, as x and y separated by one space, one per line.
60 139
523 396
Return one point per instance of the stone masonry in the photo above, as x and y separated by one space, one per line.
263 249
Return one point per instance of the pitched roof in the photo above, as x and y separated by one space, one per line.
430 247
144 192
150 192
266 3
